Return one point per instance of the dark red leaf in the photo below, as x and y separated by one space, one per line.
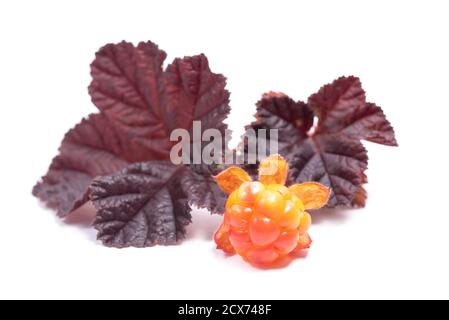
144 205
129 86
341 108
203 191
194 93
333 161
89 149
147 203
292 119
140 104
332 152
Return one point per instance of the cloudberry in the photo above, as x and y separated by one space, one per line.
265 220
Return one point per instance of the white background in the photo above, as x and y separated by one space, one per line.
397 247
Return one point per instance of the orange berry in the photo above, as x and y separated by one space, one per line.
264 222
304 223
270 203
263 231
